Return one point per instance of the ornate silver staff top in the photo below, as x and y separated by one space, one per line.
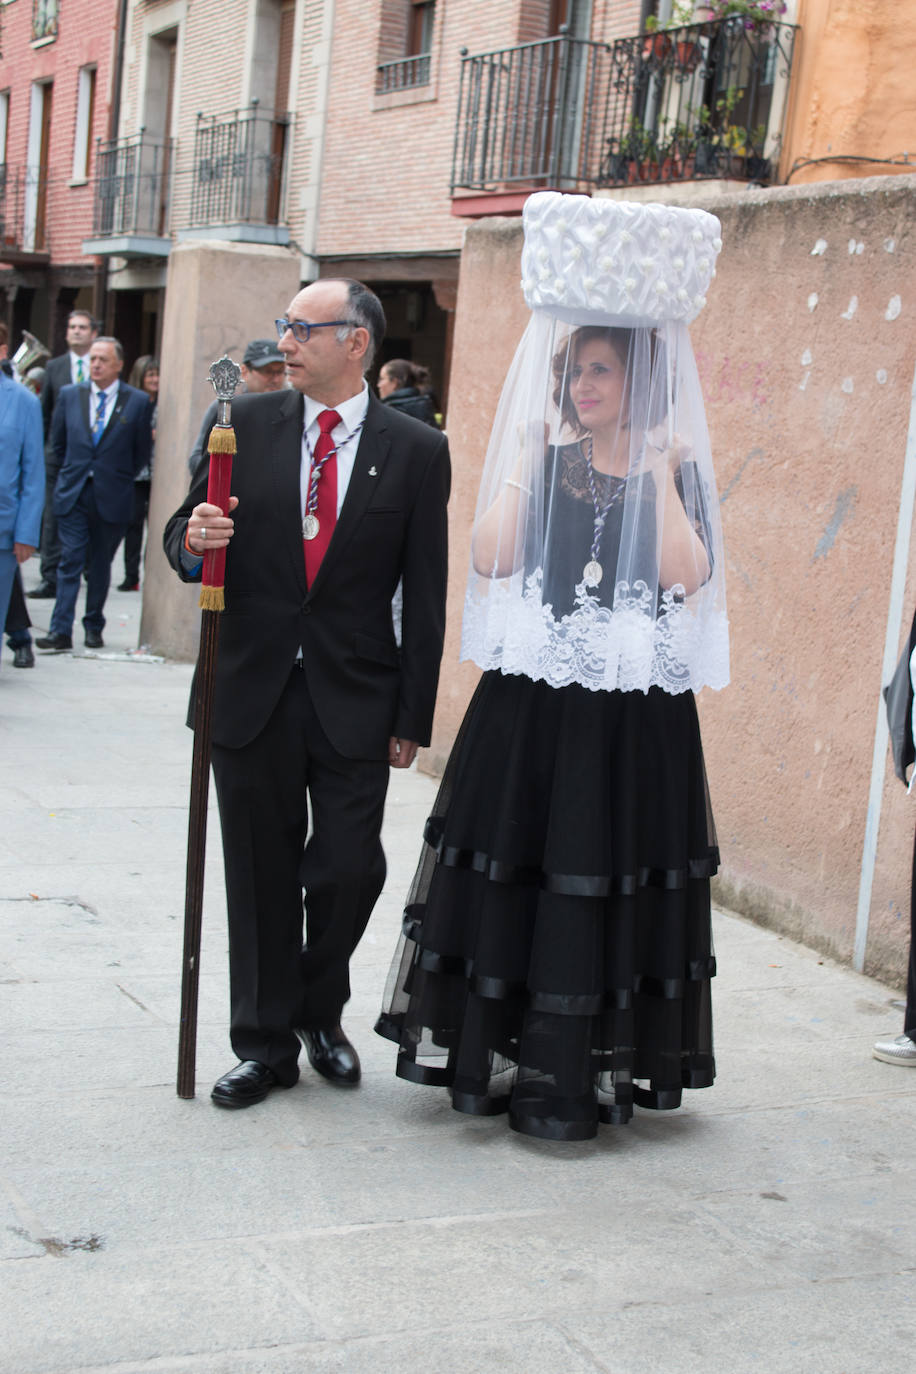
225 376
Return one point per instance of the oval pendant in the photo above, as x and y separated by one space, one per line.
310 527
592 574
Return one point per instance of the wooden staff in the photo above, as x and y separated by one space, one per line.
225 377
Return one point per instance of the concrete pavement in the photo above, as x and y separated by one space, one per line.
768 1225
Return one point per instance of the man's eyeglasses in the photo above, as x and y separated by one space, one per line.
302 328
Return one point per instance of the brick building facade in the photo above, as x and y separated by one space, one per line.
56 68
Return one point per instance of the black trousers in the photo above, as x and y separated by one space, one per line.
909 1019
50 546
18 622
133 539
265 791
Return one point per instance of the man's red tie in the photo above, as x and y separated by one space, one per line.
316 548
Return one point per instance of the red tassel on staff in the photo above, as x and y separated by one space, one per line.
213 581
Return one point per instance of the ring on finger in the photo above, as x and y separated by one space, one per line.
203 531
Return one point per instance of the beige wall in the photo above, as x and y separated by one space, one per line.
806 351
199 327
853 88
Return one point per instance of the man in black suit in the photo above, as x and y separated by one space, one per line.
336 499
69 369
101 437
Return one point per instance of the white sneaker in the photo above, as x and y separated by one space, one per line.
900 1050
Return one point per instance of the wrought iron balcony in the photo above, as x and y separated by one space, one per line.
533 115
132 189
403 74
239 171
23 214
698 102
706 100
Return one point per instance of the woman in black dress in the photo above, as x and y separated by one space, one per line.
557 954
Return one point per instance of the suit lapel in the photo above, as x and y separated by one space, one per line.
286 461
371 456
84 394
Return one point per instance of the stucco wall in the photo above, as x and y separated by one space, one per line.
806 351
198 329
854 94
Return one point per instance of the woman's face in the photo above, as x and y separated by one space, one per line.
386 383
151 382
596 385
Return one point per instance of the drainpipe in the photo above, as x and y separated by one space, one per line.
100 285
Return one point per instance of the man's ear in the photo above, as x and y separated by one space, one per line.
359 341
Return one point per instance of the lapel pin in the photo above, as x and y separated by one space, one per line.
372 471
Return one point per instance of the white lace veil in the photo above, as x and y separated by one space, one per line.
597 548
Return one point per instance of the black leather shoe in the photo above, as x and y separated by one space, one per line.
243 1086
23 657
56 644
331 1054
93 639
126 586
45 591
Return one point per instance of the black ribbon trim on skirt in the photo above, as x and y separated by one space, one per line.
568 884
559 1003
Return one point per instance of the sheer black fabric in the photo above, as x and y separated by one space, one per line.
557 949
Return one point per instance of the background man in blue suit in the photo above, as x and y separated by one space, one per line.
22 475
101 436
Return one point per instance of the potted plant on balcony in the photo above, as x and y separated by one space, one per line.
755 16
718 141
659 44
756 165
631 158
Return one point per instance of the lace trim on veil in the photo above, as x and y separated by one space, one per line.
625 649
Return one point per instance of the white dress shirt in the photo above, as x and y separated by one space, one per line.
75 360
352 413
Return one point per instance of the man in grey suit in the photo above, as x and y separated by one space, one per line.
69 369
101 437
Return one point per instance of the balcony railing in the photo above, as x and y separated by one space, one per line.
23 212
533 115
239 167
403 74
132 187
702 101
705 100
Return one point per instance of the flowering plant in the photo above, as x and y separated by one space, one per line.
757 14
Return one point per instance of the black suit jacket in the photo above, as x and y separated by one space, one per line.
392 525
57 376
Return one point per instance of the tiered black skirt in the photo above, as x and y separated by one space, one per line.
557 949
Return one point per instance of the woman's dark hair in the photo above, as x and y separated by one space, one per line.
619 339
408 374
145 363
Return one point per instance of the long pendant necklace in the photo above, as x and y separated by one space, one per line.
310 524
593 572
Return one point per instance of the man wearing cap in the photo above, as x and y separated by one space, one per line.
263 369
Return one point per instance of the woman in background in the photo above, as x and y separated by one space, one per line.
144 375
407 387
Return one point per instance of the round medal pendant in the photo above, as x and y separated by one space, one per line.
592 574
310 527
